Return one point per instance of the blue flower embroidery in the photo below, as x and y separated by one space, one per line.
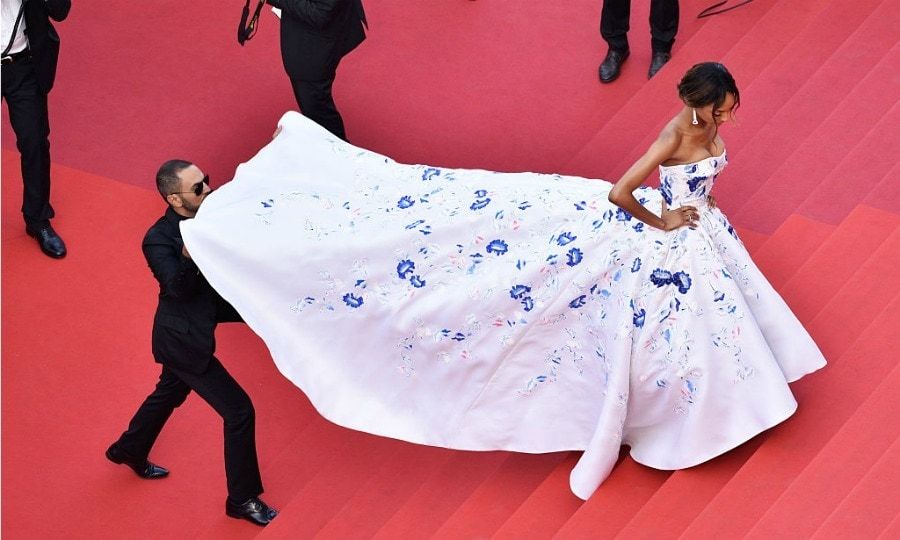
694 182
430 173
416 281
527 303
565 238
481 193
578 302
404 268
622 215
639 226
497 246
580 205
682 280
661 277
690 169
268 203
636 265
665 189
479 204
575 256
519 291
352 300
639 317
405 202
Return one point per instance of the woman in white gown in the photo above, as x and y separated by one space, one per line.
479 310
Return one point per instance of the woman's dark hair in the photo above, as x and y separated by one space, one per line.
707 83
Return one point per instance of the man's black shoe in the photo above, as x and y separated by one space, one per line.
51 244
141 467
612 65
253 510
658 60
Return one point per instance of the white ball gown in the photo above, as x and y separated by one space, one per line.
478 310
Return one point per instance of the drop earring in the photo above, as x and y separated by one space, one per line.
694 113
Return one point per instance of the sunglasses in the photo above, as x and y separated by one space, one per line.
196 189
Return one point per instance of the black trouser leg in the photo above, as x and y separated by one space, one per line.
317 103
28 116
663 24
225 395
152 415
614 23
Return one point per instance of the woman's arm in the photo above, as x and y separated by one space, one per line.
622 194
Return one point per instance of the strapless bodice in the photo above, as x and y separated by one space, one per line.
690 183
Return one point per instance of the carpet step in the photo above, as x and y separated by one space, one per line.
842 463
873 504
628 488
886 194
853 307
837 258
385 492
441 494
337 479
788 248
499 495
547 508
685 494
836 171
827 399
792 167
892 531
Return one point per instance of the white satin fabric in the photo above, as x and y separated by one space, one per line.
479 310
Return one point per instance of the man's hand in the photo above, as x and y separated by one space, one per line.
185 253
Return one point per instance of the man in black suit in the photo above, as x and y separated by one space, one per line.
30 50
184 343
614 23
315 35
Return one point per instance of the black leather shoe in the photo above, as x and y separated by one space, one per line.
253 510
51 244
612 65
658 60
141 467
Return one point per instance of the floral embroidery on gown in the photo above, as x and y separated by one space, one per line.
479 310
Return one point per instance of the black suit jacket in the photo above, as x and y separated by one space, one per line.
316 34
189 308
43 41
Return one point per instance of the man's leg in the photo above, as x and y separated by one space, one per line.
225 395
614 23
152 415
663 24
28 116
317 103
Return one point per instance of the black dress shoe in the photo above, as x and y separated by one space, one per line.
253 510
612 65
51 244
141 467
658 60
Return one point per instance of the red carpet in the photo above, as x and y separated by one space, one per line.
492 84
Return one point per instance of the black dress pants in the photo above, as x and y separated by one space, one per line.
28 115
614 24
317 103
223 394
